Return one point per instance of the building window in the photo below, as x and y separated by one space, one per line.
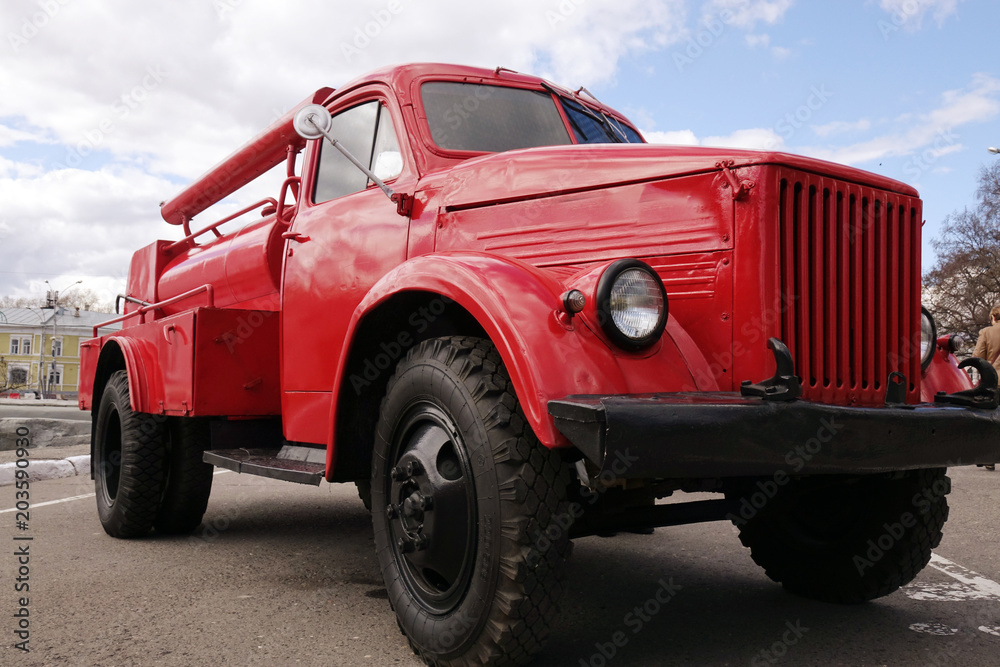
57 347
18 376
20 345
55 376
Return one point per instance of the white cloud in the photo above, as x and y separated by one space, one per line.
933 133
841 127
747 13
753 41
10 136
756 138
678 138
910 13
140 96
74 223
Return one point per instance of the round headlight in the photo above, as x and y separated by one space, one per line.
632 304
928 338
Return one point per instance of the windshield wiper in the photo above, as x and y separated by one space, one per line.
601 119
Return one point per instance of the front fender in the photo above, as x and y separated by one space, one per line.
942 375
517 305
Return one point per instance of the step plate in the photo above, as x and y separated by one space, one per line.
265 463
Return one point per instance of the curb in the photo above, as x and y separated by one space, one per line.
47 469
50 402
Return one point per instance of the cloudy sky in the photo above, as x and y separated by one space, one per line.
108 107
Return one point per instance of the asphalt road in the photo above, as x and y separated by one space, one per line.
43 412
285 574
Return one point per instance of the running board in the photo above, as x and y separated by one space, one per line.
304 465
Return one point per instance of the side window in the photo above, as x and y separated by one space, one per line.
366 131
387 161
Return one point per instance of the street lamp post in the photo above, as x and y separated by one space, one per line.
52 300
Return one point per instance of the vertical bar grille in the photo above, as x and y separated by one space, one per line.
849 280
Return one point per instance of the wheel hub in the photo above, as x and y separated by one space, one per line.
430 505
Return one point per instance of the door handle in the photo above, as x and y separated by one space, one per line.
295 236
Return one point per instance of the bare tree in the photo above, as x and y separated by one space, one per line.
21 302
84 299
964 283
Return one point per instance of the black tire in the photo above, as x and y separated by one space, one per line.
365 492
129 465
483 588
189 479
843 539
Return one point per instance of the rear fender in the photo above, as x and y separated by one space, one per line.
518 307
143 375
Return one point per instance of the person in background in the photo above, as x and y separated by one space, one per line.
988 348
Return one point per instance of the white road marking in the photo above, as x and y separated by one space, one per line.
66 500
938 629
51 502
968 577
995 630
969 585
221 470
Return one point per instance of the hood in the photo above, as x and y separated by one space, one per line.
539 172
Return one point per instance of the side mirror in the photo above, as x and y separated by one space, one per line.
311 121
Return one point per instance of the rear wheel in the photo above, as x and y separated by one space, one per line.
471 523
843 539
129 465
189 478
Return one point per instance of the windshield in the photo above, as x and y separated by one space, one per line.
591 126
474 117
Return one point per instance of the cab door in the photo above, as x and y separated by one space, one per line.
345 236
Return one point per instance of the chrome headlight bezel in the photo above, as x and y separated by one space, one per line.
635 330
928 338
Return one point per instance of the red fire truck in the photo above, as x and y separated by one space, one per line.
485 300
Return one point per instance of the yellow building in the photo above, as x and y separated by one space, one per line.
47 339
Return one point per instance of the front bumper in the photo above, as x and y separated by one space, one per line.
685 435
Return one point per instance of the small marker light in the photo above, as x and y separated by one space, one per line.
574 301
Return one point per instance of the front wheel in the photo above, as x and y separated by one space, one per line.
842 539
129 463
469 510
